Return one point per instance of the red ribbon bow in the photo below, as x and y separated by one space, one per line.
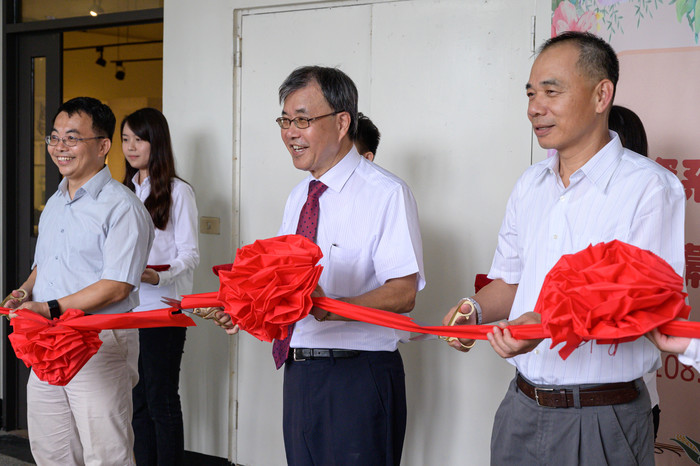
57 349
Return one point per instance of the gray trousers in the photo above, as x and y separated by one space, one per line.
527 434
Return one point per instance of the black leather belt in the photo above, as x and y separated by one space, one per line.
302 354
600 395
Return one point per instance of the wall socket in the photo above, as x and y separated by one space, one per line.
209 225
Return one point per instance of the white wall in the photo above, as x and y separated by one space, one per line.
452 397
198 102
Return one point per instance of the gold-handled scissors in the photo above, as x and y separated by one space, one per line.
458 313
10 297
208 313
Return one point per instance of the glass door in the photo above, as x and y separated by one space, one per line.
33 94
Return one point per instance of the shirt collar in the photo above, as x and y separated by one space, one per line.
548 166
599 169
93 186
338 175
135 180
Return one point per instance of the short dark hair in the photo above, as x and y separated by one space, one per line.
597 59
337 87
629 127
103 120
368 135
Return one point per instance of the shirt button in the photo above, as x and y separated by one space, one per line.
555 237
62 230
537 351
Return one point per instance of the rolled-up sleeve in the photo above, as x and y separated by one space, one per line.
127 244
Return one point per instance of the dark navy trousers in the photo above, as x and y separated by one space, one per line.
345 411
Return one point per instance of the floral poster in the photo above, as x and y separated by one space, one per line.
659 52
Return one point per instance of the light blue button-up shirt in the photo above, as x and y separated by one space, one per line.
104 232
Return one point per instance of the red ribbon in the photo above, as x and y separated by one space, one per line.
611 292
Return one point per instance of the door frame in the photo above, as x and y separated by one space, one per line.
238 58
13 174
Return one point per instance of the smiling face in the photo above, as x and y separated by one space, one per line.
136 150
565 107
324 143
81 162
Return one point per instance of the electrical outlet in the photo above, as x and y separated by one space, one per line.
209 225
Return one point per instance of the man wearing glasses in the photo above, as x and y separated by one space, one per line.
344 391
93 243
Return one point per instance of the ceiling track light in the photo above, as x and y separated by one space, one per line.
96 9
121 72
101 60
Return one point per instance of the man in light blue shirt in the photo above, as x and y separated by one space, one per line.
93 243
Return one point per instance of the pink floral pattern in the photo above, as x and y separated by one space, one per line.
565 19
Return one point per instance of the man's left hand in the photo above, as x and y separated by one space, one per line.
318 313
150 276
503 342
40 308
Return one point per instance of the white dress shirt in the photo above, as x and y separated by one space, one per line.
691 355
618 194
368 232
103 233
177 245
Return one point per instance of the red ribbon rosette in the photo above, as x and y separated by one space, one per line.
55 352
611 292
57 349
270 285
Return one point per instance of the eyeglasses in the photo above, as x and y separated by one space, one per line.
300 122
70 141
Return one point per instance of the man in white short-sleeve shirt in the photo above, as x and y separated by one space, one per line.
344 389
592 408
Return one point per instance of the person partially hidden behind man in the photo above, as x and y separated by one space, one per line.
344 389
367 137
93 243
592 408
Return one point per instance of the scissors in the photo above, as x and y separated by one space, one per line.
9 297
208 313
458 313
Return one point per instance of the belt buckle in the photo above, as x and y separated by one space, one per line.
294 356
537 397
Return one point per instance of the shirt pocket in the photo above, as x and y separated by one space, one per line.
347 271
85 251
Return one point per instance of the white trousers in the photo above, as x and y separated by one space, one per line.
88 421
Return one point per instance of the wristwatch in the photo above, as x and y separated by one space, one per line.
477 307
54 309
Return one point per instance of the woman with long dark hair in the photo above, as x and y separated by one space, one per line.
150 173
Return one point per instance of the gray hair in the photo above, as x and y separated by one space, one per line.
337 87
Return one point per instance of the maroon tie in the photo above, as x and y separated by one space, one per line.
307 226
